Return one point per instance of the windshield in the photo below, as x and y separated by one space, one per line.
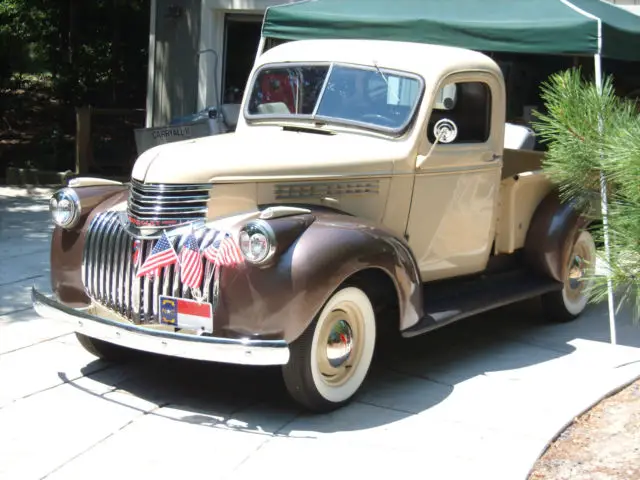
373 97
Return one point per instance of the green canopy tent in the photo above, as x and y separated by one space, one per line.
553 27
576 27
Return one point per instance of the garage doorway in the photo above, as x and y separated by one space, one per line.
241 39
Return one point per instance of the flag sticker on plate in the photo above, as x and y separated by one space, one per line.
182 313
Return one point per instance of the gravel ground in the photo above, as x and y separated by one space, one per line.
603 444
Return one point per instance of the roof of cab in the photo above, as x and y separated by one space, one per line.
424 59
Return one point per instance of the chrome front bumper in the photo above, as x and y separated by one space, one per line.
214 349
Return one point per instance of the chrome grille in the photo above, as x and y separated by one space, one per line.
156 204
109 276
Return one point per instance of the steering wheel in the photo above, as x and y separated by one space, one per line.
377 116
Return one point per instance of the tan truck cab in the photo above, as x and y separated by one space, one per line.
370 186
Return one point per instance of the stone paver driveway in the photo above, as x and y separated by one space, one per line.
479 399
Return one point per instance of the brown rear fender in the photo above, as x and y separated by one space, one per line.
282 300
552 232
67 245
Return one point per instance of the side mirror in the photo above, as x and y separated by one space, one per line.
445 131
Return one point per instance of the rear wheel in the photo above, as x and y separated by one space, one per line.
570 302
331 359
104 350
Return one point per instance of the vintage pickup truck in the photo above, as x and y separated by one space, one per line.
370 187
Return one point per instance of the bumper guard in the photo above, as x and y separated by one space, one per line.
214 349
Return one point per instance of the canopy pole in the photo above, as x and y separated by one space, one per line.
605 214
261 44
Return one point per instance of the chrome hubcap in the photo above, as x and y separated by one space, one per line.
580 267
577 271
339 343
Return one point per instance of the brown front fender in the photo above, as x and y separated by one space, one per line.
282 300
552 233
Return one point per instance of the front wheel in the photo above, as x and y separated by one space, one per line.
330 360
568 303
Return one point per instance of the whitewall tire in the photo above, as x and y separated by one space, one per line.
331 359
568 303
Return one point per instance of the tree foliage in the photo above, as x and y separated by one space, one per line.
589 133
95 51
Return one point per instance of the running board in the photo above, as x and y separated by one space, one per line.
452 300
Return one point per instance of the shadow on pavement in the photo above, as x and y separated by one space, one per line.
24 224
423 370
25 236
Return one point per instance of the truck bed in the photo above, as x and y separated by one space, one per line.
518 161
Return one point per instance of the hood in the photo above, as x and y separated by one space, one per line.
268 152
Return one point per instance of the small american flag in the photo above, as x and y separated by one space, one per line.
211 252
162 255
191 263
230 254
224 251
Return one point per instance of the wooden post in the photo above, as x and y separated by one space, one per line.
83 139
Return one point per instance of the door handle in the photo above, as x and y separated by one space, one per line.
494 157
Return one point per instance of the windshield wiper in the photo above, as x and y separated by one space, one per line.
307 129
375 64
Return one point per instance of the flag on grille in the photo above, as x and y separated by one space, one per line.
211 252
191 263
230 254
224 251
162 255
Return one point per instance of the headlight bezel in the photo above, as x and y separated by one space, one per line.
262 228
70 195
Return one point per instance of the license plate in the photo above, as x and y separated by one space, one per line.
188 314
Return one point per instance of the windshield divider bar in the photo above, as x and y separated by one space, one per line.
324 87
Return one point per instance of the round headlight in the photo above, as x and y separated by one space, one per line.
257 242
65 208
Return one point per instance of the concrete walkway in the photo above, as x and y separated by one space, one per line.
479 399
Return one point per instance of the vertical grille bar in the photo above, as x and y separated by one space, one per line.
167 280
109 254
145 315
136 285
175 287
116 279
177 284
157 288
128 274
118 292
100 260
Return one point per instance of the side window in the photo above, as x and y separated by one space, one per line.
464 111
